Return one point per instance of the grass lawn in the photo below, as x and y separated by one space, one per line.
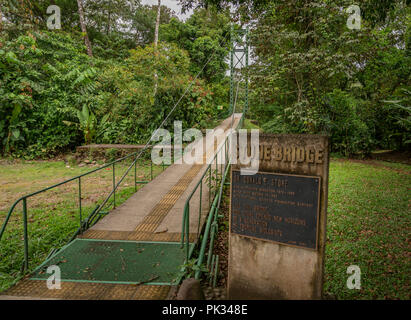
369 223
53 216
369 220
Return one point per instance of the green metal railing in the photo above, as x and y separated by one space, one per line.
96 214
214 178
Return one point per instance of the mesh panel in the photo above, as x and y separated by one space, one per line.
117 262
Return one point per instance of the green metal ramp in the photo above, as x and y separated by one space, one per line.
117 261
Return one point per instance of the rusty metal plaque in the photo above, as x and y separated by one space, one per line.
276 207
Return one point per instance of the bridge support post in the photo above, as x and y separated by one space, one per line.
26 240
239 44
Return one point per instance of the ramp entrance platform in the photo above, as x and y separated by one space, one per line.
115 261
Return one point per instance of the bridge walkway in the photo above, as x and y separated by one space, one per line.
134 252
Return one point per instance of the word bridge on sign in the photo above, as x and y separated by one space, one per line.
285 153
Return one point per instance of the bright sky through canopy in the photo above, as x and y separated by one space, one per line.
173 5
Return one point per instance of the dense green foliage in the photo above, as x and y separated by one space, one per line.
205 35
53 96
309 72
325 78
312 74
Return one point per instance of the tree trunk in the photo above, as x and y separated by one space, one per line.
109 19
1 20
156 44
157 24
83 27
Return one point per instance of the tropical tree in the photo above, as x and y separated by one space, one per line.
205 36
1 19
83 27
156 43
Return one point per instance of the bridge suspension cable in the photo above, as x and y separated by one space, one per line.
162 123
181 97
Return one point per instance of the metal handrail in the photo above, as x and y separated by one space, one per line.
86 223
211 225
185 233
213 204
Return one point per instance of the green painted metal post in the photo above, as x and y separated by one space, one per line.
216 176
183 232
188 232
209 188
210 247
135 175
205 236
79 202
211 270
114 186
151 170
199 209
26 240
221 160
215 271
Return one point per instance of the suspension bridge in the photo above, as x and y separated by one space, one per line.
140 249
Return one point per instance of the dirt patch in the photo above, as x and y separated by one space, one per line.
110 152
374 163
393 156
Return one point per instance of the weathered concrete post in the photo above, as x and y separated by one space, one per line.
278 220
